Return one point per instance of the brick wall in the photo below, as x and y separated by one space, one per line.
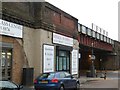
40 15
87 41
63 22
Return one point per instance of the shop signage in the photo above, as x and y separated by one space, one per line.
48 58
75 62
10 29
63 40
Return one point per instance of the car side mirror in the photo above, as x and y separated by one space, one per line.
72 76
20 87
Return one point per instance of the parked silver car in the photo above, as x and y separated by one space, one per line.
8 85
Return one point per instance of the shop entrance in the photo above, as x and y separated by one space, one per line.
6 63
63 61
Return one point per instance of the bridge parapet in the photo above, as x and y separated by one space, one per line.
88 36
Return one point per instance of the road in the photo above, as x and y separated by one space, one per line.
111 83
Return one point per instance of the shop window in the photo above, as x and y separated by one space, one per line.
6 63
62 53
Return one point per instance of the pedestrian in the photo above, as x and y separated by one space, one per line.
105 75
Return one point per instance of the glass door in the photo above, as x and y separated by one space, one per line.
6 63
62 64
63 61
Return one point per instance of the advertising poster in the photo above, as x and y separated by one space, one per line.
75 61
48 58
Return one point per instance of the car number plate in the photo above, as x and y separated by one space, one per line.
43 81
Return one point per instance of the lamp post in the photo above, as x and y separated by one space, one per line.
92 65
101 65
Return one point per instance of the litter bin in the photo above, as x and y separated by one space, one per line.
28 76
88 73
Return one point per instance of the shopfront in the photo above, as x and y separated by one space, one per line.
64 54
10 54
63 60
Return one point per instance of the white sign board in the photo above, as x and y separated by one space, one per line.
63 40
48 58
79 55
10 29
75 62
92 57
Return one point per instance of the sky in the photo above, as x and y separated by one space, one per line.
103 13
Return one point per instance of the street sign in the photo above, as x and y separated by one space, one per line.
92 57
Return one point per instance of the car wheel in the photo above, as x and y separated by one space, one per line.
61 88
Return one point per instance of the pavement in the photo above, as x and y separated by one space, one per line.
100 76
84 79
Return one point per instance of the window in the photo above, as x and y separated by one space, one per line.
101 37
63 61
89 32
105 39
6 63
67 74
93 34
57 75
62 75
110 41
98 37
47 75
84 29
62 53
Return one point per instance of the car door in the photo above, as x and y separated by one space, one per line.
71 81
63 80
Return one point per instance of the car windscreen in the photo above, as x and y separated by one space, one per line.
47 75
7 84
